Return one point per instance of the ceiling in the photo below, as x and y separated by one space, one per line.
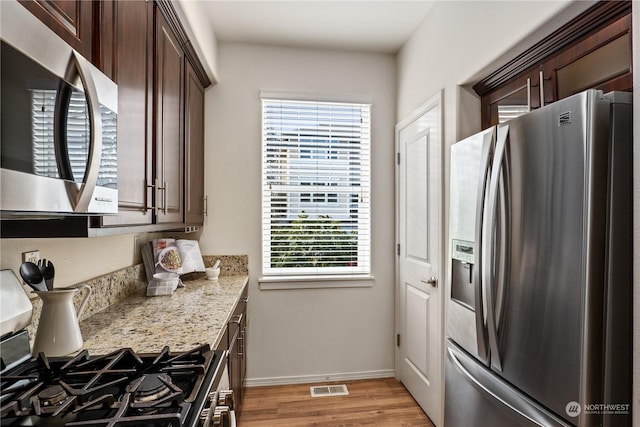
370 26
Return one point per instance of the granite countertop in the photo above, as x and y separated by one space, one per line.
194 315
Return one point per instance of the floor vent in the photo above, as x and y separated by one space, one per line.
329 390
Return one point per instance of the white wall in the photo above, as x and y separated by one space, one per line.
314 333
75 260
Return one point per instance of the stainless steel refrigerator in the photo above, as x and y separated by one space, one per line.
539 302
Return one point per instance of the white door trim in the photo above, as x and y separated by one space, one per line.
436 101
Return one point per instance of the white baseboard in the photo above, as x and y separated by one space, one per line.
304 379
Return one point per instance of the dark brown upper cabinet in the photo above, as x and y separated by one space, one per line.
143 47
107 29
515 97
72 20
87 26
592 51
602 60
133 57
160 122
168 126
195 201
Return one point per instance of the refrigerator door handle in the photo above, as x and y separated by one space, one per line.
478 285
494 388
489 257
502 244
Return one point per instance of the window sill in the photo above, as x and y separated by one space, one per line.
315 282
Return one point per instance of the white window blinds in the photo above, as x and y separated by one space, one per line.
316 188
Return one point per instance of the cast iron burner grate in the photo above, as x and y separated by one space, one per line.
117 389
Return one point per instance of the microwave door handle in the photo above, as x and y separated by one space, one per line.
95 148
63 95
478 286
490 258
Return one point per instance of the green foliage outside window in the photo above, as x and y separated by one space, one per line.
318 242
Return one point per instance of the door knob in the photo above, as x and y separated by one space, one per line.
431 281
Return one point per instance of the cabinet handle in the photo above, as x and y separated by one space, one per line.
146 193
237 318
241 345
165 189
542 79
529 94
541 88
153 207
164 197
205 211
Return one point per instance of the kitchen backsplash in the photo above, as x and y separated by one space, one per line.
230 265
105 290
116 286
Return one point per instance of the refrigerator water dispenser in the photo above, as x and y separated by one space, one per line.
462 290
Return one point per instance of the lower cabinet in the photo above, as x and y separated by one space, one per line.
234 341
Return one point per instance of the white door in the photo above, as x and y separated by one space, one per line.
419 272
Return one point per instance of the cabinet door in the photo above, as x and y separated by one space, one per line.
602 61
194 148
594 50
237 333
243 353
134 73
168 116
517 97
70 19
106 37
235 377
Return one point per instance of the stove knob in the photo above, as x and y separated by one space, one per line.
221 417
204 420
225 398
212 398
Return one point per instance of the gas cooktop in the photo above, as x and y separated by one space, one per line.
121 388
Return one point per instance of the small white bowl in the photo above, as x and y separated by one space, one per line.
165 277
212 273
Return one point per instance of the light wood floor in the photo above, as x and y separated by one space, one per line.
379 402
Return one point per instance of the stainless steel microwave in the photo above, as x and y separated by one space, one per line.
58 146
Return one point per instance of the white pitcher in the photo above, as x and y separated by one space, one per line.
58 330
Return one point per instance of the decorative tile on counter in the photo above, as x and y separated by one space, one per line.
193 315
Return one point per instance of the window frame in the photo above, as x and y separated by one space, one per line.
304 277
